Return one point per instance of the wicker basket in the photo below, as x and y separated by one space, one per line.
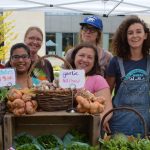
145 134
54 100
129 109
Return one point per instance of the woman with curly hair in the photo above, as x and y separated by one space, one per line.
128 75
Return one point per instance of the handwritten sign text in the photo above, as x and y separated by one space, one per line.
7 77
67 78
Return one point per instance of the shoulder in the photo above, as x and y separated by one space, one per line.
100 82
106 53
68 56
97 78
95 83
114 60
69 52
113 67
2 66
47 62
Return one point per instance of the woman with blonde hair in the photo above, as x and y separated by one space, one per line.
33 39
91 32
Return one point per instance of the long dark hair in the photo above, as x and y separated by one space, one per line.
95 69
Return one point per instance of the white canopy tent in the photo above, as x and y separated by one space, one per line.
74 7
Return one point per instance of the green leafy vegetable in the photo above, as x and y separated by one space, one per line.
3 93
77 146
28 147
122 142
50 142
78 136
22 139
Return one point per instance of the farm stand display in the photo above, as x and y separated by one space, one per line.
58 123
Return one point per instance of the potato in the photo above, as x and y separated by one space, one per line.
18 103
14 94
83 101
29 108
19 112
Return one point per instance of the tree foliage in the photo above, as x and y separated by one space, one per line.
6 34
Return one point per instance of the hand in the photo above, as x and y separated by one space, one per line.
106 128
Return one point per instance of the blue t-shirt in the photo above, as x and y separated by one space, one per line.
134 70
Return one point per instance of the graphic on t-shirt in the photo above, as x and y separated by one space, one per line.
39 73
136 74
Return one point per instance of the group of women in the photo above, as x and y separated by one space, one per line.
126 75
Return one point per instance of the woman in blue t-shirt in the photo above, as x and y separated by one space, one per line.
21 61
128 75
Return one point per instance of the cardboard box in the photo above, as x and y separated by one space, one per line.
58 123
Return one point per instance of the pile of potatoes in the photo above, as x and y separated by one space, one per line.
89 103
20 101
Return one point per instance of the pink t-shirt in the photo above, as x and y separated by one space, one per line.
95 83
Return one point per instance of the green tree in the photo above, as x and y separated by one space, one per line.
6 34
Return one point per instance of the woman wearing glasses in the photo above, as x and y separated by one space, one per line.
33 39
20 60
91 32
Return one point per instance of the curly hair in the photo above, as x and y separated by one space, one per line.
95 69
120 44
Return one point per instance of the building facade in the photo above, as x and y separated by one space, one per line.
62 32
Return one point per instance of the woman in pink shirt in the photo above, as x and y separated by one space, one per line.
85 57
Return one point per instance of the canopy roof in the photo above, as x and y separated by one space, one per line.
97 7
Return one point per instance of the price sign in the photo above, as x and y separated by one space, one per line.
67 78
7 77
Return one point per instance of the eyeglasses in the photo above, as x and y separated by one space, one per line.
17 57
35 39
90 29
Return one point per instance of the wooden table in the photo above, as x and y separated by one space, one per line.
1 138
58 123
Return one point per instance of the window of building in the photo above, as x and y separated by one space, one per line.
50 43
110 42
69 40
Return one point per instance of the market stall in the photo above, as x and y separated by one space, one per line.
50 109
57 123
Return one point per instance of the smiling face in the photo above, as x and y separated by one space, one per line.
33 40
136 36
84 59
20 60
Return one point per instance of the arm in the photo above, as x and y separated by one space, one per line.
111 81
108 103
